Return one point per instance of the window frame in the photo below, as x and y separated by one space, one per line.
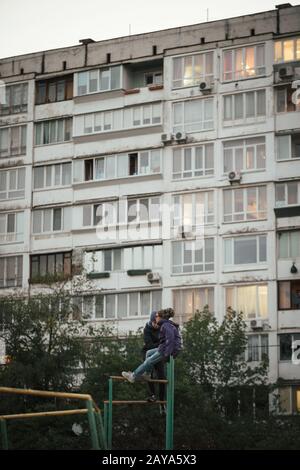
192 173
244 119
233 71
18 270
250 265
261 214
22 140
178 269
195 80
259 315
245 144
182 125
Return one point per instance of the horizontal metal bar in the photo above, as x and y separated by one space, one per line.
134 402
42 393
45 414
119 377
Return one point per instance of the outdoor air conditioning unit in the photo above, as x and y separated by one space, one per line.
153 277
166 138
205 87
234 177
181 137
256 325
285 72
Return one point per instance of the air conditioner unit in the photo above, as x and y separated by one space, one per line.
234 176
166 138
285 72
256 325
205 87
153 277
181 137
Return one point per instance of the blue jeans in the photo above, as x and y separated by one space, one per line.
152 357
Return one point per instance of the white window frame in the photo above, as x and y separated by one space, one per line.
44 216
17 235
242 74
259 349
52 169
42 125
193 172
9 107
233 146
98 120
235 121
243 216
178 214
232 264
194 79
178 269
19 191
21 150
284 203
98 72
116 300
235 305
139 210
289 138
281 42
18 268
178 303
287 234
202 124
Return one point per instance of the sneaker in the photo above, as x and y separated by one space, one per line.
129 376
162 409
151 399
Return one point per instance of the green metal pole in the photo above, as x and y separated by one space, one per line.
3 428
170 405
92 424
102 437
105 421
109 421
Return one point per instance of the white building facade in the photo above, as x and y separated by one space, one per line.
166 167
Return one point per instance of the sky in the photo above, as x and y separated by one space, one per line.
35 25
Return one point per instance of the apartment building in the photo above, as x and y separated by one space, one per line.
163 169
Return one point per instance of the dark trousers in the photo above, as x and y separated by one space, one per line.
158 372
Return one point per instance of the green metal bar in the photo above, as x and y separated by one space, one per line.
4 437
92 424
170 405
110 409
105 421
101 432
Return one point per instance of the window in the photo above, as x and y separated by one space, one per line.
193 256
119 306
244 106
11 227
245 204
98 80
119 119
251 300
16 97
288 147
54 131
244 154
143 210
287 50
118 166
188 301
153 78
289 244
245 250
190 70
257 348
289 295
52 220
244 62
54 89
285 99
193 115
287 348
12 184
12 141
289 400
287 194
50 264
11 271
191 162
105 213
193 210
52 175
